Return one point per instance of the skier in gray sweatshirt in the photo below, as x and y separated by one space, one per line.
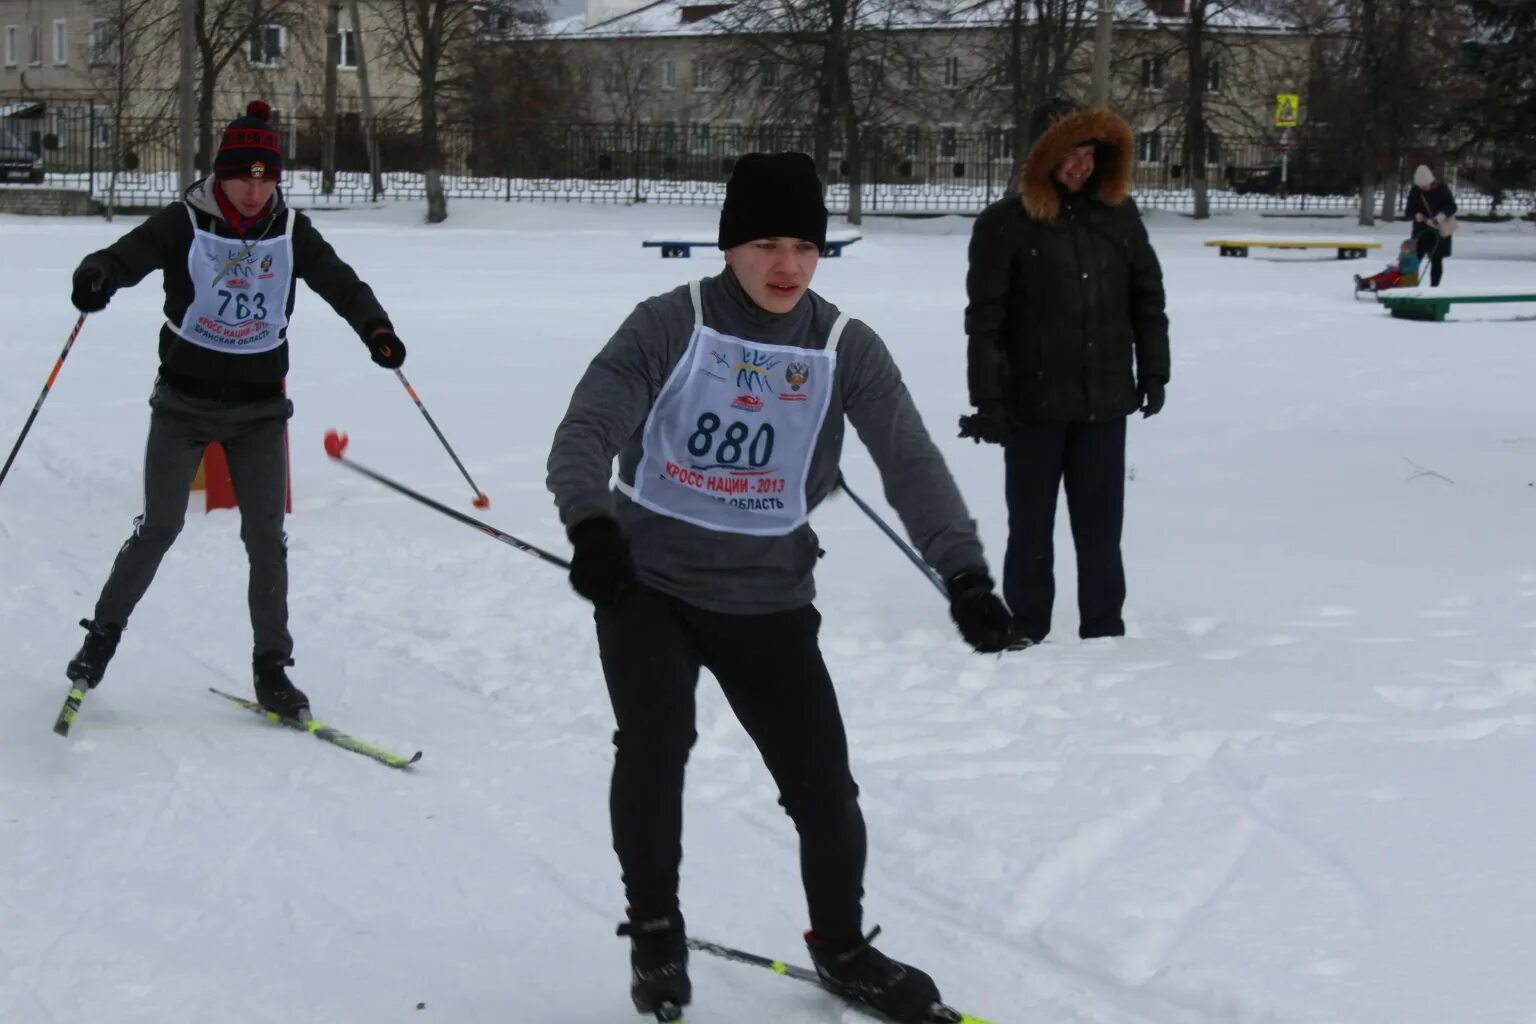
724 401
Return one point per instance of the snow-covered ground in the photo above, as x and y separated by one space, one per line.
1294 793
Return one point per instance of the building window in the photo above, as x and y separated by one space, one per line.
951 72
873 71
103 42
1000 144
914 73
698 138
35 47
348 52
102 119
1212 148
1149 146
10 46
1151 73
669 74
60 42
267 46
770 74
1213 75
703 76
645 75
949 142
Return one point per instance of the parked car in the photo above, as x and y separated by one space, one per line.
17 162
1303 175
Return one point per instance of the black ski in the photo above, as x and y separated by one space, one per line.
938 1013
320 730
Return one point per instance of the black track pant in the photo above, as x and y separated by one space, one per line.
771 671
1429 247
180 427
1090 459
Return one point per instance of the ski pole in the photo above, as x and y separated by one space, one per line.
336 445
480 501
906 549
57 366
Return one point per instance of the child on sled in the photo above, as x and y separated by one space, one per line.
1404 273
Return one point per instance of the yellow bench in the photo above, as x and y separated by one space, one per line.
1349 249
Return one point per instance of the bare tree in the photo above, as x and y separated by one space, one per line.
1038 48
822 60
435 40
128 39
224 30
1179 66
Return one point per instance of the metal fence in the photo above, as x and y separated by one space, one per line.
906 170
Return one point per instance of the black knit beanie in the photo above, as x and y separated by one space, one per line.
775 195
250 148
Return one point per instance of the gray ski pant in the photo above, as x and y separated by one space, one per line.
180 427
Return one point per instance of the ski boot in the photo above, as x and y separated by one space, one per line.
275 691
860 973
658 961
90 662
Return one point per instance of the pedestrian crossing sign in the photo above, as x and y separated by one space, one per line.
1287 109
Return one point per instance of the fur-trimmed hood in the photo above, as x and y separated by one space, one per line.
1114 166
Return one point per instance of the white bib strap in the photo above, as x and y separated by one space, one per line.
837 332
698 303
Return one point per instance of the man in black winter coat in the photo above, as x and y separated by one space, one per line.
1067 337
232 252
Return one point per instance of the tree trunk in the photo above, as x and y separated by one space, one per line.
431 148
370 131
1195 144
328 127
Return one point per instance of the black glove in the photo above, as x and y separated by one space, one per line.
992 423
601 569
92 289
387 349
1152 396
981 615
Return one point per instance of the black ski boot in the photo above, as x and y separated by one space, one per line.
861 973
658 961
90 662
275 691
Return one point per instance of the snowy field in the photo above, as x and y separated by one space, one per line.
1295 792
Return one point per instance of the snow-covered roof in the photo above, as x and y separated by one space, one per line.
664 18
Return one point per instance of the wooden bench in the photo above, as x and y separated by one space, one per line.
1349 249
674 247
1433 303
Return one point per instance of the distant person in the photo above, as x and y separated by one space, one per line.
1067 337
1404 271
726 402
1432 209
231 250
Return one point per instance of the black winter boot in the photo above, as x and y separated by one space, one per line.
658 961
275 691
860 973
90 662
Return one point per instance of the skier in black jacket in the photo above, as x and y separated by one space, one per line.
1067 337
231 250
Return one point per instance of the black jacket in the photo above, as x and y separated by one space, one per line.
162 243
1066 303
1436 199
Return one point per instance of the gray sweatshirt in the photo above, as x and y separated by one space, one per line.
732 572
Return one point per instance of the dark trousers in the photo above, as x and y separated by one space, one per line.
1090 458
1429 246
771 671
180 427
